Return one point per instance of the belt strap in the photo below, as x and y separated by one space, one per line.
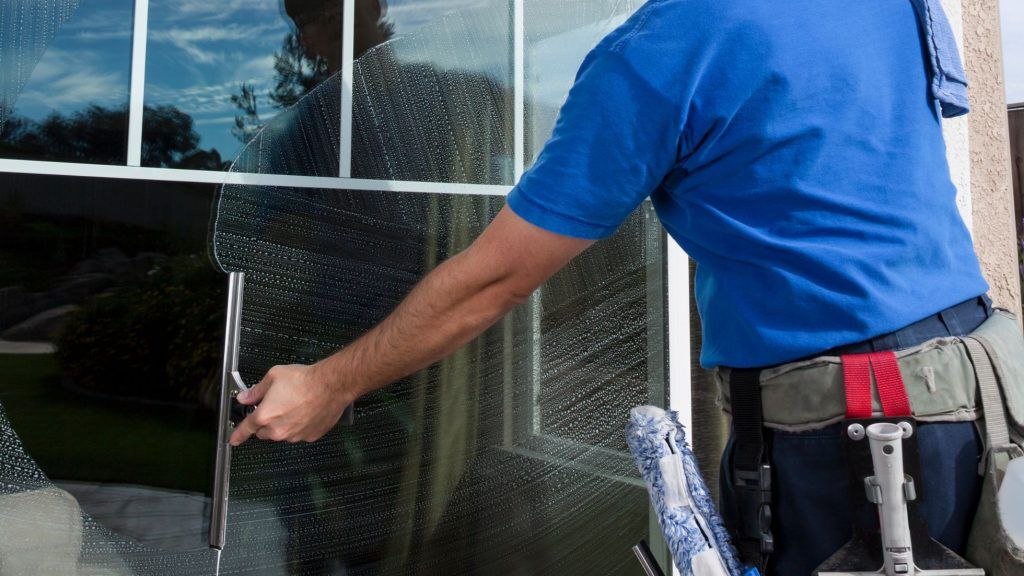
857 370
751 469
997 434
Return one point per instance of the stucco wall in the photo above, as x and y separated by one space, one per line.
991 197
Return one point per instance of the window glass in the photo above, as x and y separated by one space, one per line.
216 72
434 103
442 469
110 344
66 74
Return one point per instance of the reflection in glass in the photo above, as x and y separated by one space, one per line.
110 334
73 103
435 103
218 71
506 458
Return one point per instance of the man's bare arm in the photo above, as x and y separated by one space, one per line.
452 305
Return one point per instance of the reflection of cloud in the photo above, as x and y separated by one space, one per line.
191 40
207 99
64 80
1012 15
216 10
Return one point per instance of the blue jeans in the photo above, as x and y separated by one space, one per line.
811 508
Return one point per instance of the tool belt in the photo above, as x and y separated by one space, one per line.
938 375
933 382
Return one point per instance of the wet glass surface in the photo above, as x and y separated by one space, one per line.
434 103
218 71
66 72
110 332
506 458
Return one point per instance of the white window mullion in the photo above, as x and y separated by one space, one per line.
136 95
348 42
518 88
244 178
679 375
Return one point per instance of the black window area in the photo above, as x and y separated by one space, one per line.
110 342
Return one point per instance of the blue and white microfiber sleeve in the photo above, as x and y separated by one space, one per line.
693 529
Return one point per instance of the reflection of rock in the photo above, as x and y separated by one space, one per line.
105 269
42 327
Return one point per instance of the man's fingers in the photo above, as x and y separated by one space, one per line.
245 429
255 394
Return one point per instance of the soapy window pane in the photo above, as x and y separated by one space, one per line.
461 468
434 103
65 77
218 71
110 331
431 478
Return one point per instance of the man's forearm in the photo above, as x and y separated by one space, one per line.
448 308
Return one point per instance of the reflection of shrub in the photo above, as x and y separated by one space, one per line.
156 338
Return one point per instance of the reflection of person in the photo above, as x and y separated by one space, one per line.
318 24
795 153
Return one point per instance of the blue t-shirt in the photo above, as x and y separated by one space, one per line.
794 149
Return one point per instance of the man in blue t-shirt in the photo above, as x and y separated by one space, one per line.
795 151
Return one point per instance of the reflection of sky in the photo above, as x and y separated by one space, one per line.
88 62
407 15
201 51
465 35
1012 16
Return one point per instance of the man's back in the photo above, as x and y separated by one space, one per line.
794 149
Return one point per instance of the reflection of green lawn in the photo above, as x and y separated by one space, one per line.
78 437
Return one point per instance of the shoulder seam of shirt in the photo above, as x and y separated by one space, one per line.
639 25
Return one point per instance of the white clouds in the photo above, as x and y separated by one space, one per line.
1012 15
195 41
67 80
217 10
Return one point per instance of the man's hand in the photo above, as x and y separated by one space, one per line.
293 404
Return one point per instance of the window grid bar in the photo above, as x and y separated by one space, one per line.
678 286
244 178
348 42
136 94
519 88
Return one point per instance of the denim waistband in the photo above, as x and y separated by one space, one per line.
957 320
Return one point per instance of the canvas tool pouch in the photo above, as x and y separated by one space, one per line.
999 367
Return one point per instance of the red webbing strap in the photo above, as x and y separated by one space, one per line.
891 390
857 380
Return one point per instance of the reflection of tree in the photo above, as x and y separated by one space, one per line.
97 135
172 142
298 68
248 123
295 74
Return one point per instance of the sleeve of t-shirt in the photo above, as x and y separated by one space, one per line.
617 136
